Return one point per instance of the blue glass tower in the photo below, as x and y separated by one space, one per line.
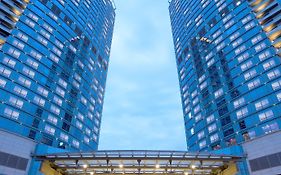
54 59
228 59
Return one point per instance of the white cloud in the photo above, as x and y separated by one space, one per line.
142 107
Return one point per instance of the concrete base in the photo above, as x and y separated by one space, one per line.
15 154
264 154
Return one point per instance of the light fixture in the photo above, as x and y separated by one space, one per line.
193 166
157 166
121 166
92 173
85 166
185 173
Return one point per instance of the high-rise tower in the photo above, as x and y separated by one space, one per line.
54 59
228 59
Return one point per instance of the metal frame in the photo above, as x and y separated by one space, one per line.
138 162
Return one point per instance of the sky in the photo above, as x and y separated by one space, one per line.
142 107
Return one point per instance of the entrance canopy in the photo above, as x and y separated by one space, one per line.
138 162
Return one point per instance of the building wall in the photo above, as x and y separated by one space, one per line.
264 154
229 71
53 68
15 154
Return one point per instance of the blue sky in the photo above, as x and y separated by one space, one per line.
142 108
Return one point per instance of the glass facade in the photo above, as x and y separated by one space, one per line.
54 59
228 59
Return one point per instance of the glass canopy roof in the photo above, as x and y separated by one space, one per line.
138 162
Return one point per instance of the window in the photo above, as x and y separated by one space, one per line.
38 100
276 85
80 116
45 34
202 144
256 39
246 19
29 23
250 25
246 65
32 16
266 115
211 62
55 110
243 57
252 134
198 117
50 130
9 62
42 91
18 44
196 109
60 91
11 113
201 135
20 91
254 84
194 93
219 93
24 82
270 128
202 78
192 131
261 104
210 118
16 102
79 125
4 71
32 63
22 37
57 100
260 47
264 55
62 83
203 85
57 51
273 74
52 119
269 64
240 49
234 36
64 137
75 143
239 102
28 72
88 131
83 100
212 128
42 40
242 113
250 74
54 58
86 139
279 96
47 27
14 53
237 42
214 138
95 138
242 124
3 83
35 123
